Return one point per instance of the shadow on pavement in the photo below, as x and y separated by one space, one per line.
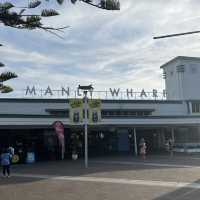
76 168
184 193
17 180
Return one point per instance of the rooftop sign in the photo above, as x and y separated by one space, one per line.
111 93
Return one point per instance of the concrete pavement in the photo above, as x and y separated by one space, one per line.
158 177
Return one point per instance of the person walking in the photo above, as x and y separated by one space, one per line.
11 150
170 147
5 162
143 147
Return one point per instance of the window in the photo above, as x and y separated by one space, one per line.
124 113
58 113
196 107
180 68
164 75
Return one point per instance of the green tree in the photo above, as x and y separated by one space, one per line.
5 76
24 17
27 18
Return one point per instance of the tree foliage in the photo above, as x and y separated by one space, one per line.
5 76
26 18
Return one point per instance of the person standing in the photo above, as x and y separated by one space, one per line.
11 150
171 147
143 147
5 162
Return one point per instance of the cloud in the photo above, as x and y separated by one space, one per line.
105 48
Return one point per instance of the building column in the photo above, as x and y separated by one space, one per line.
172 134
135 141
160 139
190 107
163 137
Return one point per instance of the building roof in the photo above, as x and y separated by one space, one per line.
34 100
180 58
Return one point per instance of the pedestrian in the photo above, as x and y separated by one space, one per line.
11 150
143 147
171 147
5 162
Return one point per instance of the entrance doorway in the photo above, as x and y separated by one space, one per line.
153 139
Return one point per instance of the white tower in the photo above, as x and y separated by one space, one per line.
182 78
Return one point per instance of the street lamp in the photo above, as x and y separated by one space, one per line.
86 89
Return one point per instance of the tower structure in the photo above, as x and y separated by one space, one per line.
182 78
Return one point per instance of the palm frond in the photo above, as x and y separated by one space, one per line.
49 13
5 89
33 22
1 64
73 1
6 5
110 4
7 76
60 1
34 4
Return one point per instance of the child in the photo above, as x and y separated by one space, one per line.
5 162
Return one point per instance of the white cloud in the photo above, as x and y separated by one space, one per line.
103 47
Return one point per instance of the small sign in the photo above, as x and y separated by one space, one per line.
30 157
15 159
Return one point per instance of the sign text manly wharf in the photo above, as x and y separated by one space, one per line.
112 93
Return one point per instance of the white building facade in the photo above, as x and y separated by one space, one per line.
26 122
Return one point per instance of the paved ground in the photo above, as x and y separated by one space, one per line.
158 178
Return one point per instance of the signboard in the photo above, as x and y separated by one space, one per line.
30 157
76 110
94 110
15 159
111 93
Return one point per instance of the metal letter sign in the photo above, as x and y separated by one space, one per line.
112 93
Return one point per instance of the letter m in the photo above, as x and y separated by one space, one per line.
30 91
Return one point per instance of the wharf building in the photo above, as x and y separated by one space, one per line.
119 125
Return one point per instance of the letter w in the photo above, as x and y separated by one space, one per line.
114 92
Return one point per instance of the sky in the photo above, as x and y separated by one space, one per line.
109 49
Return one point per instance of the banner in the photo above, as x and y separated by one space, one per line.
76 110
59 129
94 106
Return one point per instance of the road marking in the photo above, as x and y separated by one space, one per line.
146 163
113 181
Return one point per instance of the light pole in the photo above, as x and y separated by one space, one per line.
86 89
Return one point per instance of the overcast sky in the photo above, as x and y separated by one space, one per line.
105 48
